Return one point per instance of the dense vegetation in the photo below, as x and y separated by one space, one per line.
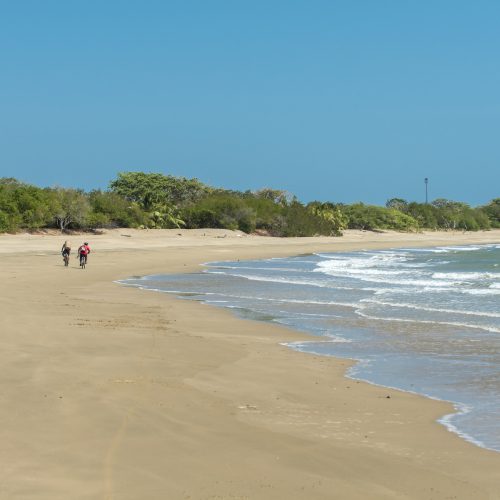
137 199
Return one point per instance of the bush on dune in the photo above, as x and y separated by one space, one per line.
151 200
370 217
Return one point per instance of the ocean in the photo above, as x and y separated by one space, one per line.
423 320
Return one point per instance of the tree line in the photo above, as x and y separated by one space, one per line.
152 200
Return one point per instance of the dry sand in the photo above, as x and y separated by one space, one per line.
109 392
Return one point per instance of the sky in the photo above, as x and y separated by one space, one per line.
331 100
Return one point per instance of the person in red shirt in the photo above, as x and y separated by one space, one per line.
83 252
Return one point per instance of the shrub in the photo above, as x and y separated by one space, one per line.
221 210
97 220
369 217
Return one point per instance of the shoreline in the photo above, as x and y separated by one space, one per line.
445 420
116 393
458 408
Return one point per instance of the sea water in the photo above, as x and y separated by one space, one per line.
422 320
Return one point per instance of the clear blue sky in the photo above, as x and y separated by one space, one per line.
332 100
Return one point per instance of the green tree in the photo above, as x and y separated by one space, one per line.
221 210
424 214
10 218
331 214
370 217
164 217
23 206
71 208
457 215
398 204
492 210
277 196
151 189
119 211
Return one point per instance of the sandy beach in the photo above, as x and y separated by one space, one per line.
110 392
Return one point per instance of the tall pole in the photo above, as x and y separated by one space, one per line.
426 180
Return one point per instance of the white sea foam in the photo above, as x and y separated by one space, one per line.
468 276
279 280
491 329
480 291
281 269
312 315
430 250
446 249
447 421
336 269
468 248
221 263
430 309
306 344
409 282
291 301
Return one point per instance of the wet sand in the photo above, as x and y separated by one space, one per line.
111 392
